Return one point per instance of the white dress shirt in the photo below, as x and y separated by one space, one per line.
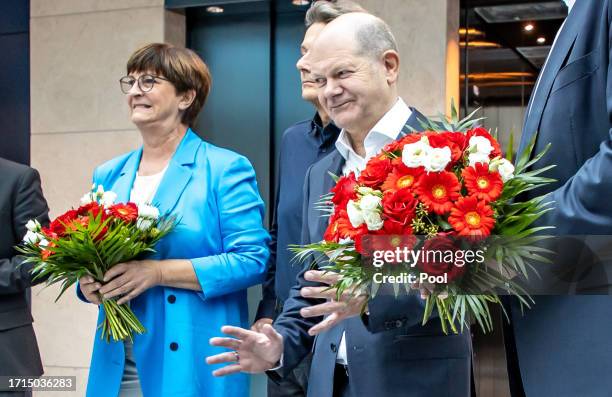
385 131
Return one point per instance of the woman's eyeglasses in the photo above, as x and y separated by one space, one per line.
145 82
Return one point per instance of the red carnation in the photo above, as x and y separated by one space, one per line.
402 177
344 190
126 212
59 224
438 256
479 131
482 183
92 208
472 218
438 190
376 171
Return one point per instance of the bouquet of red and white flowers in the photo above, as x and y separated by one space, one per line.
445 191
92 239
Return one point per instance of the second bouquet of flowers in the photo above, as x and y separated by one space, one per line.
92 239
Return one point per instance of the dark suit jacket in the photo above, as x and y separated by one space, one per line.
21 199
564 343
392 354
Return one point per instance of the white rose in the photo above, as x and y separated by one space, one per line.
148 211
414 154
144 224
108 198
437 159
87 198
373 220
363 190
370 203
354 214
33 225
43 243
32 237
480 144
506 170
474 158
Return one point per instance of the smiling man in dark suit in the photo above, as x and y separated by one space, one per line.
21 199
355 62
564 343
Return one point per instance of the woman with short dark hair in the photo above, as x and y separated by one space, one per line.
198 278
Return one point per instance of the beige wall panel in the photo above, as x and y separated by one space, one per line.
39 8
66 162
76 62
81 381
428 60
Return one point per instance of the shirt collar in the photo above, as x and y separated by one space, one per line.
384 131
328 134
569 4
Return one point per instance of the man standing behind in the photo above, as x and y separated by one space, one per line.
21 199
563 343
355 63
302 144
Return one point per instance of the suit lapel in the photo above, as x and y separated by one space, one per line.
556 59
178 174
123 184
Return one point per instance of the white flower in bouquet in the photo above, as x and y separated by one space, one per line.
481 145
33 225
354 214
504 167
87 198
437 159
414 154
370 203
144 224
148 211
373 220
32 237
474 158
108 199
43 243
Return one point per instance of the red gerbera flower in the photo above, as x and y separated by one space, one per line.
438 190
59 224
472 218
402 177
482 183
126 212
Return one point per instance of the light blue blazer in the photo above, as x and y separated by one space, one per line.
214 193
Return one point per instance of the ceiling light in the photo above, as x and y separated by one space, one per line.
300 2
214 9
541 40
528 27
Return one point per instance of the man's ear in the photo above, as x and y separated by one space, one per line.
187 99
391 61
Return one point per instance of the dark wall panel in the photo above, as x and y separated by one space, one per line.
15 81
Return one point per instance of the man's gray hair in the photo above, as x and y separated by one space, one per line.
322 11
375 38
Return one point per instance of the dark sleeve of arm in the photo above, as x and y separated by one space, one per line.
29 204
290 324
582 204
